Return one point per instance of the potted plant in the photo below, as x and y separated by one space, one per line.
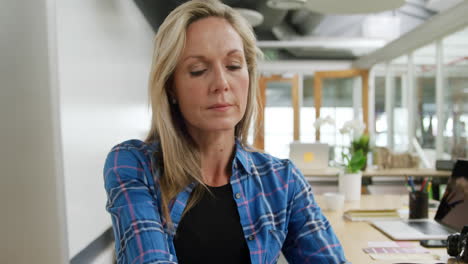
361 143
350 180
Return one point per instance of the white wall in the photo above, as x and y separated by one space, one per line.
105 50
32 221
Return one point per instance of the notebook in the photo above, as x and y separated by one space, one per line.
309 156
451 216
371 215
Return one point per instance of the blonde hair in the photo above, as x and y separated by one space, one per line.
179 159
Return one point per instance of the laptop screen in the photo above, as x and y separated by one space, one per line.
453 207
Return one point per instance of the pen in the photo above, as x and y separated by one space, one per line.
423 185
429 189
429 185
411 183
408 184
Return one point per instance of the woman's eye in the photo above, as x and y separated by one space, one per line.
234 67
197 73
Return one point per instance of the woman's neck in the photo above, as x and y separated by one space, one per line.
217 150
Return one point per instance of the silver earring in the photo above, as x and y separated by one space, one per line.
173 100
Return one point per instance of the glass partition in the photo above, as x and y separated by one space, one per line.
381 126
337 103
455 110
426 119
278 135
397 138
308 110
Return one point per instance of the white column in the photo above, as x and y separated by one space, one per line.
440 99
33 224
389 103
404 105
300 94
357 98
404 90
411 101
371 106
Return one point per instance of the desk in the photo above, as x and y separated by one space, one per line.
330 175
406 172
416 172
327 172
355 235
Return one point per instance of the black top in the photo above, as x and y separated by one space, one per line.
211 231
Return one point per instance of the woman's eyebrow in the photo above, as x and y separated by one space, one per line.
234 51
201 57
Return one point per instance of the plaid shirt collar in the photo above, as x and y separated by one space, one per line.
243 158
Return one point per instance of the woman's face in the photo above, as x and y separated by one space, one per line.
211 80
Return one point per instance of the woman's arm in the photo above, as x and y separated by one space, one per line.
139 235
310 238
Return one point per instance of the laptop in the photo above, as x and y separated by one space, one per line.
451 216
309 156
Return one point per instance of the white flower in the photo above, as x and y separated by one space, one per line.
318 123
322 121
344 130
355 126
329 120
347 127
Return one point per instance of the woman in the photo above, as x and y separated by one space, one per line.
194 192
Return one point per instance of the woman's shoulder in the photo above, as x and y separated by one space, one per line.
133 153
136 145
130 161
265 163
265 160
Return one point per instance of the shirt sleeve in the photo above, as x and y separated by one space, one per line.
136 222
310 238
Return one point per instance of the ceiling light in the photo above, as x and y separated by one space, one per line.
253 17
286 4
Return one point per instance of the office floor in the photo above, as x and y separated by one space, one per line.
106 257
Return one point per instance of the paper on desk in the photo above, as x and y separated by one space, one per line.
392 244
394 247
394 250
371 215
417 257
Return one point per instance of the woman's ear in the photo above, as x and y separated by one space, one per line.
171 97
170 91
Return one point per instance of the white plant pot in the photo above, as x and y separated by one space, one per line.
349 185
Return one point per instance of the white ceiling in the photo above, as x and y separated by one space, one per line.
352 6
442 5
455 48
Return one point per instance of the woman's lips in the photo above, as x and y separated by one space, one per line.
220 107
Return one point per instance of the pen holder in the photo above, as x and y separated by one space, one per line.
418 205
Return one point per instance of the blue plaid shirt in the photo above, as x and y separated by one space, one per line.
275 203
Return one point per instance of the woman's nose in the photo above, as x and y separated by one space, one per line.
220 82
